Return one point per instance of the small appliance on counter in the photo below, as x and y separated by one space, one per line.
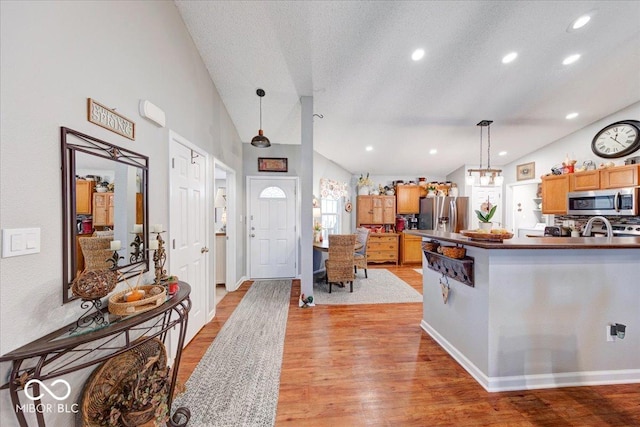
555 231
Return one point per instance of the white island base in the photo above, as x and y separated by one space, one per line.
537 318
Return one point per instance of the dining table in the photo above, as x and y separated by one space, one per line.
318 259
324 246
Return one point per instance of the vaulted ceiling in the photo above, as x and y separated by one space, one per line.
354 59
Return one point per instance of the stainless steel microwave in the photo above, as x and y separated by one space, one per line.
617 201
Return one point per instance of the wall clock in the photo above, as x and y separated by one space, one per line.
617 139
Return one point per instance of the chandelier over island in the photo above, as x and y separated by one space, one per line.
488 175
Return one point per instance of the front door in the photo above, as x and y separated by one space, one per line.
272 228
187 230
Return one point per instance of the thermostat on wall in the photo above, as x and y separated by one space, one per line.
152 112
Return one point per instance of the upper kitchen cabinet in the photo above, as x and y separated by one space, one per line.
408 199
376 210
584 181
620 176
554 194
84 194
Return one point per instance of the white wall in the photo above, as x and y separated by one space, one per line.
55 55
325 168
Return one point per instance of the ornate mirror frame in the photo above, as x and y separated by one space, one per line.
72 144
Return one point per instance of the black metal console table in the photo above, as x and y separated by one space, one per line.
63 352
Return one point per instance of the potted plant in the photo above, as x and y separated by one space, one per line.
486 212
317 232
364 184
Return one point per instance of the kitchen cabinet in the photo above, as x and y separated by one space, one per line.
410 249
221 258
382 247
376 210
84 191
620 176
103 209
584 181
408 199
554 194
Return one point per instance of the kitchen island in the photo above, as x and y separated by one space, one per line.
535 312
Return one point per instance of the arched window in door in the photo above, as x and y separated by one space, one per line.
272 193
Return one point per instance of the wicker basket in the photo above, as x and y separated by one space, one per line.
109 379
94 284
431 246
455 252
118 306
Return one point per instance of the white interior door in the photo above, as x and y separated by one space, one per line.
272 228
188 227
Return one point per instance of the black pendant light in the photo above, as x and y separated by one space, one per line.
260 140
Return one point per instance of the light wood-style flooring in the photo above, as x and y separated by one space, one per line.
372 365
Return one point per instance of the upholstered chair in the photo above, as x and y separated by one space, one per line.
360 256
339 264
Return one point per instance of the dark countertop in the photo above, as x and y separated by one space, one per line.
534 242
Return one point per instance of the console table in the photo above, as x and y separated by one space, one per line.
63 352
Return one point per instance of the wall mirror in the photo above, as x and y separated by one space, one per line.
105 199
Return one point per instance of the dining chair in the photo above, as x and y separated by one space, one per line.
96 252
339 264
360 256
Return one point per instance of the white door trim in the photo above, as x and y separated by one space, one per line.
231 258
248 210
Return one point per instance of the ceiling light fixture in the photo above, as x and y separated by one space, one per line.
571 59
581 22
417 54
571 116
433 151
260 140
502 153
510 57
369 148
488 176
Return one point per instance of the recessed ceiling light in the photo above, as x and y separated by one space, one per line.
581 22
571 116
369 148
571 59
417 54
433 151
510 57
502 153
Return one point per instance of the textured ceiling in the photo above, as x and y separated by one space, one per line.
353 57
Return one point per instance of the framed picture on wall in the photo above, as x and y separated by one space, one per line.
526 171
272 164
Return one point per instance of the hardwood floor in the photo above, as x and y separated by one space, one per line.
372 365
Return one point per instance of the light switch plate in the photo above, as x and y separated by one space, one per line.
20 241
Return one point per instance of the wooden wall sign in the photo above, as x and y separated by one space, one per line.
109 119
272 164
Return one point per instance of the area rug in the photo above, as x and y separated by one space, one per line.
381 287
238 379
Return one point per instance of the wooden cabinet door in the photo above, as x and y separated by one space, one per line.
408 199
103 209
84 191
410 249
621 176
584 181
110 209
554 194
389 210
377 210
365 210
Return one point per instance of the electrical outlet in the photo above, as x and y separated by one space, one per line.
610 338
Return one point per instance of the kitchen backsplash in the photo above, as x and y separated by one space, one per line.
581 220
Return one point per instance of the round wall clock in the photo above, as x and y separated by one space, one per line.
617 139
348 207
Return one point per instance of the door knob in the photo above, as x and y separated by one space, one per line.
253 235
204 249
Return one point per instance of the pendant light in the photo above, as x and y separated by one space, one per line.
488 176
260 140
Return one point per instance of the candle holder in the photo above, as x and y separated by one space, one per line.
115 258
137 254
159 259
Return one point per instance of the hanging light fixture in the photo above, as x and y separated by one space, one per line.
260 140
488 175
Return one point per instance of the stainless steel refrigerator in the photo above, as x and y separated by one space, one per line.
444 214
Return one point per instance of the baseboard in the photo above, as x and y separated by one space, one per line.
239 283
538 381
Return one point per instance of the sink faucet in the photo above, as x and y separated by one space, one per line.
587 228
